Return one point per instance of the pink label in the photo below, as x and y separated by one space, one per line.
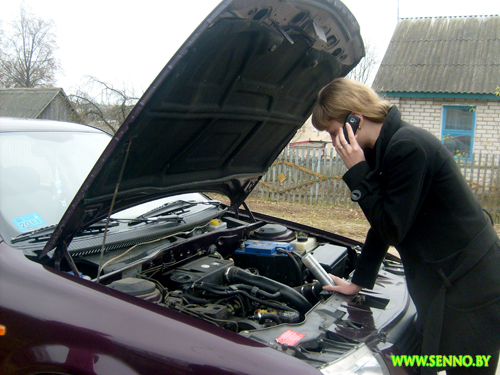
290 338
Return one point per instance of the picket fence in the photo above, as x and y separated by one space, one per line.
314 176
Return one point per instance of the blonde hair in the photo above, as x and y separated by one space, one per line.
341 97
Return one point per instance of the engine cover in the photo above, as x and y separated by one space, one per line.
208 269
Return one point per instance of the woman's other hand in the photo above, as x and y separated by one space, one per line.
342 286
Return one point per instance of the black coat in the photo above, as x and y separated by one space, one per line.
416 199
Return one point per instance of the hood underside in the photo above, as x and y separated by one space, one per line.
223 108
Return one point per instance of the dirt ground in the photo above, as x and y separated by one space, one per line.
344 221
347 222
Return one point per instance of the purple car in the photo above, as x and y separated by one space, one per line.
116 259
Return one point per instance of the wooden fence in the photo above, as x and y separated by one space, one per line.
314 176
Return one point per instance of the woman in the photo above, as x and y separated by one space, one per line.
416 199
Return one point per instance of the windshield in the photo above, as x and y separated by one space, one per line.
40 173
146 207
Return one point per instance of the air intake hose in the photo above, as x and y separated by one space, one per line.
297 300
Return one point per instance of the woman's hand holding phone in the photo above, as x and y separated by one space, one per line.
350 152
354 122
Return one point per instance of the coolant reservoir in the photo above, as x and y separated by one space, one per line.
304 244
216 224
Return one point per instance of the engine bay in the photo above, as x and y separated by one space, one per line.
246 273
241 280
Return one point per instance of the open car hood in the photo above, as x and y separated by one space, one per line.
222 109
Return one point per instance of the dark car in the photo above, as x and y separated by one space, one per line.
117 258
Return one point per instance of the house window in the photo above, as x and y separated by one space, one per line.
458 130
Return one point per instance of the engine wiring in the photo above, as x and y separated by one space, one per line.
185 233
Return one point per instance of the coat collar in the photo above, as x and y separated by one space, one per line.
390 126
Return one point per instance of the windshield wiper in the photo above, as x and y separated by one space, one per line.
100 226
154 219
35 234
174 207
163 213
47 231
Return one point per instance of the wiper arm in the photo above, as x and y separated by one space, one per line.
154 219
100 226
159 214
34 234
171 207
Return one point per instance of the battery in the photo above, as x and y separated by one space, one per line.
266 248
270 259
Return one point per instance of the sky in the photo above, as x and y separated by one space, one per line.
127 43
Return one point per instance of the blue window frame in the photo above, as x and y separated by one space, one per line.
459 123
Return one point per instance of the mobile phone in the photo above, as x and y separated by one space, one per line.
354 122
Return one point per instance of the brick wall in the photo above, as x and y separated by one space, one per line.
428 113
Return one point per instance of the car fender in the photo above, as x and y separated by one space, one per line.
45 310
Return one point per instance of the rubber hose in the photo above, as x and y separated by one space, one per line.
238 275
270 316
235 292
261 292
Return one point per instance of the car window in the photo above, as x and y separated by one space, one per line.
40 173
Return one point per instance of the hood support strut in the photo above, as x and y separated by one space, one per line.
64 253
250 214
111 209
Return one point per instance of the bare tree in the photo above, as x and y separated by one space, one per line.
100 104
1 35
365 70
27 52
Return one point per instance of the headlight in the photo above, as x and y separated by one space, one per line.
360 361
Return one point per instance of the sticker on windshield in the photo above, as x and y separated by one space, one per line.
28 221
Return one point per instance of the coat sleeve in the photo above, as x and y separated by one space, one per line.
369 261
391 199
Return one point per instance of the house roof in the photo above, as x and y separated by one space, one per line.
26 102
442 55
